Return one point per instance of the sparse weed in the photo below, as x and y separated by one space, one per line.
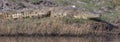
69 20
35 1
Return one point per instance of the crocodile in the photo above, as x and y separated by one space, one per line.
86 15
22 14
51 11
75 13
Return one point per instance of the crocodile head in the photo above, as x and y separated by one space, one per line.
86 15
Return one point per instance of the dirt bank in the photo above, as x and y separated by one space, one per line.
107 24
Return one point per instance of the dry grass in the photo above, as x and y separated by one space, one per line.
52 26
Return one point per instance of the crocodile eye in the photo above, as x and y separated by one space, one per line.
35 12
7 4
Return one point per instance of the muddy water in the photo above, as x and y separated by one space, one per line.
59 39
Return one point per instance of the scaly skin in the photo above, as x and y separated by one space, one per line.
52 11
61 12
22 14
84 15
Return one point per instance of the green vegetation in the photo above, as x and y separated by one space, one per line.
110 17
61 2
91 5
36 1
